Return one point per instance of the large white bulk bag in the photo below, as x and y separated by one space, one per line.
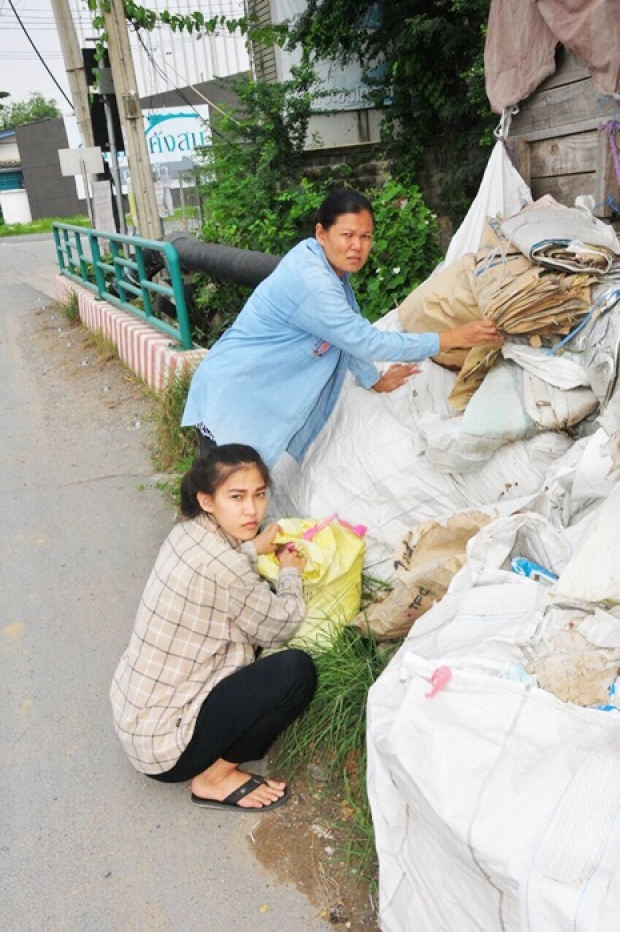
593 572
495 804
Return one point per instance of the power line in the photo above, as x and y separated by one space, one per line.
10 2
182 95
162 74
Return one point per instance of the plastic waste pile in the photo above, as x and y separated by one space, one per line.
504 781
494 733
476 430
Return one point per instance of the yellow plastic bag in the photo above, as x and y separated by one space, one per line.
332 577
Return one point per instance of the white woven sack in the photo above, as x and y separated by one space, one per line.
593 573
502 192
526 534
494 804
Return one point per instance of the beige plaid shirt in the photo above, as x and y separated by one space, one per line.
203 611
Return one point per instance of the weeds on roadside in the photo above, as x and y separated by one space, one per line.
96 340
175 448
71 309
333 729
104 347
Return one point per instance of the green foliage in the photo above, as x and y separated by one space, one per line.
143 18
70 310
334 725
255 163
176 446
253 189
213 307
40 226
423 62
36 107
332 730
404 249
257 196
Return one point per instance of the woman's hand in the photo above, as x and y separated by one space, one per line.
291 556
395 376
476 333
264 542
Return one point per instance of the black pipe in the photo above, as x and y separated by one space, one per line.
244 266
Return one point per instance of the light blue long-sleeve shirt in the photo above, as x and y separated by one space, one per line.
272 380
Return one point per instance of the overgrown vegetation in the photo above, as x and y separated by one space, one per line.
423 63
258 195
70 311
332 731
102 345
404 249
254 193
175 446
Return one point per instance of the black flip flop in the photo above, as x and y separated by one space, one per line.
245 789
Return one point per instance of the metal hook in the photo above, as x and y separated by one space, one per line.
503 128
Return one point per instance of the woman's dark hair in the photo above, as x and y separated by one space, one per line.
211 471
341 201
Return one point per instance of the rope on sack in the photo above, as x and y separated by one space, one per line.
611 128
608 299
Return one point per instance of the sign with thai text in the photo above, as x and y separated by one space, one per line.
173 135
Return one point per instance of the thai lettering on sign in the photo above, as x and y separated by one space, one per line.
173 135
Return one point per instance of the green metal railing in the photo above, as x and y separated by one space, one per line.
115 267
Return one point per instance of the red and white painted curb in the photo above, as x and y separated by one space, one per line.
145 350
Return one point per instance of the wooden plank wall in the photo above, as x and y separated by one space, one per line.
559 144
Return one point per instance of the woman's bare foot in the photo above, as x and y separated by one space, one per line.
222 778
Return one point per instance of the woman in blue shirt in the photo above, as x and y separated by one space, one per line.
272 380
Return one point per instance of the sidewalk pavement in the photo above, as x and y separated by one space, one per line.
89 845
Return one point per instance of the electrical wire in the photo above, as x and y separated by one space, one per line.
10 2
184 96
192 87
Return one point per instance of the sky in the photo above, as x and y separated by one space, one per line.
21 71
175 59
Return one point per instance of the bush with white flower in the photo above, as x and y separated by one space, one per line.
404 252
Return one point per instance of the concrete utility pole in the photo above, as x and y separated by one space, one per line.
74 66
130 112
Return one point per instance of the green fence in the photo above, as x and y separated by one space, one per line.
116 267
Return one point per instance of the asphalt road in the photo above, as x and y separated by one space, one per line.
86 843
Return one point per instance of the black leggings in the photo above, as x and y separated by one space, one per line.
244 714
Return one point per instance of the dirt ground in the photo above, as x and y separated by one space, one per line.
301 843
96 381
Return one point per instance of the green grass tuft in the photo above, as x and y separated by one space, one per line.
176 446
333 730
70 310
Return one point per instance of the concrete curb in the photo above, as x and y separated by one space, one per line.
147 351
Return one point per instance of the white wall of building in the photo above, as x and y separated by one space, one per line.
9 151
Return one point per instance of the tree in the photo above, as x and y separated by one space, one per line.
36 108
423 60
